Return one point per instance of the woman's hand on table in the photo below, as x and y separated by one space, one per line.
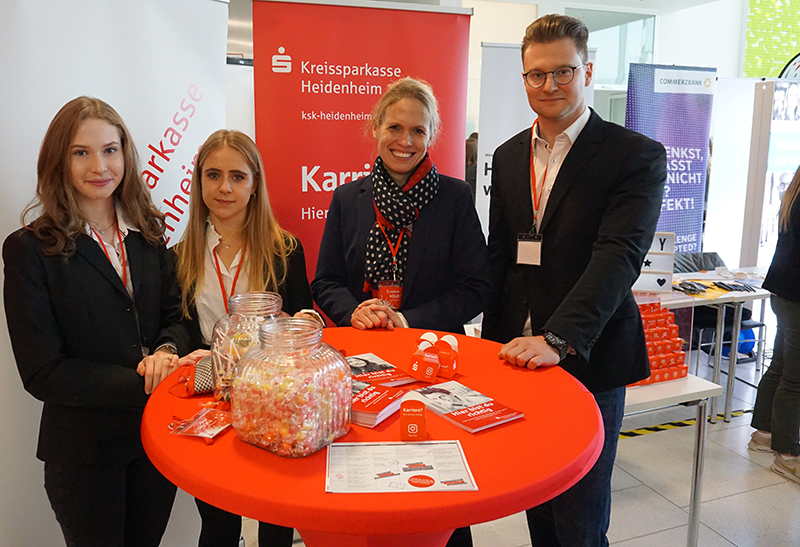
529 351
194 357
155 368
375 313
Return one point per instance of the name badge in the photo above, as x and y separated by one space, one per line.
391 292
529 249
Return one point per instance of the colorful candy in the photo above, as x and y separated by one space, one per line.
293 394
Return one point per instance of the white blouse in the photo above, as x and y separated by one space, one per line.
210 301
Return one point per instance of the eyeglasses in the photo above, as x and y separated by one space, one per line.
562 76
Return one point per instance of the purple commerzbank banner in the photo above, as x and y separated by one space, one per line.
672 104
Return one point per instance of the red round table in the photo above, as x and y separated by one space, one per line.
516 465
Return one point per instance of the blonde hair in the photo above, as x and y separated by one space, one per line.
60 219
268 245
789 197
409 88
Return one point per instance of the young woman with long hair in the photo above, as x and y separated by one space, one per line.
93 310
776 415
234 244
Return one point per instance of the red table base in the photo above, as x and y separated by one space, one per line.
322 539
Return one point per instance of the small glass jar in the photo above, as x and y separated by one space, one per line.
237 332
293 394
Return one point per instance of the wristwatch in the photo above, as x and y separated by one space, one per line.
557 343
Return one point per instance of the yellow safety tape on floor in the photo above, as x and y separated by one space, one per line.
673 425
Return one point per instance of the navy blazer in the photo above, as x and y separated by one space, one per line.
78 337
597 227
446 277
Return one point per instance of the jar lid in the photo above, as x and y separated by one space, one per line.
290 333
262 303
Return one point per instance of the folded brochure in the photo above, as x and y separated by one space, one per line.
465 407
374 403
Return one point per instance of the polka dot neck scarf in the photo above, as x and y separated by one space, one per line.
396 209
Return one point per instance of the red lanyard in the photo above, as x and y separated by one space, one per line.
121 250
235 278
396 248
537 199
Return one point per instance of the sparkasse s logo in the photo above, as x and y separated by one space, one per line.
282 63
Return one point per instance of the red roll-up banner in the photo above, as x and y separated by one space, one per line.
319 69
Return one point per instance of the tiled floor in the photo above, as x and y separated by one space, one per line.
744 503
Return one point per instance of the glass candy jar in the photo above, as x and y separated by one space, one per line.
293 394
237 332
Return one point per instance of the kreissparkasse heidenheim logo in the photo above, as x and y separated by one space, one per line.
282 63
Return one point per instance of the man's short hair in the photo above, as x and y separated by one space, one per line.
554 27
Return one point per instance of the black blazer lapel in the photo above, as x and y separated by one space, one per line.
520 199
135 257
581 153
90 250
423 227
365 218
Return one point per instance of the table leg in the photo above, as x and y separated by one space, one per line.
733 357
696 495
313 538
718 338
762 339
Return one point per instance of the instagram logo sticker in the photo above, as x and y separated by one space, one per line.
412 421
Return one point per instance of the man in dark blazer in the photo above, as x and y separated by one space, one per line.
565 248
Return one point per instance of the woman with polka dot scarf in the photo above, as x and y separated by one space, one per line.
403 246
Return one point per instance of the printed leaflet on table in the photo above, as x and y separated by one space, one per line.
432 466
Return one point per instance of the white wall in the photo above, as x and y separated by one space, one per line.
710 35
240 111
731 125
492 22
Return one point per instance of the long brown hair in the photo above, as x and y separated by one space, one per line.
787 201
60 219
268 245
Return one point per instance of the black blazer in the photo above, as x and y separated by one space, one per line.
445 283
783 277
597 226
78 337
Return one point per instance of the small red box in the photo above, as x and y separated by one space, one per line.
650 322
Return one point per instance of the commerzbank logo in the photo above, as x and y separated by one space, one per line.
282 63
700 82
